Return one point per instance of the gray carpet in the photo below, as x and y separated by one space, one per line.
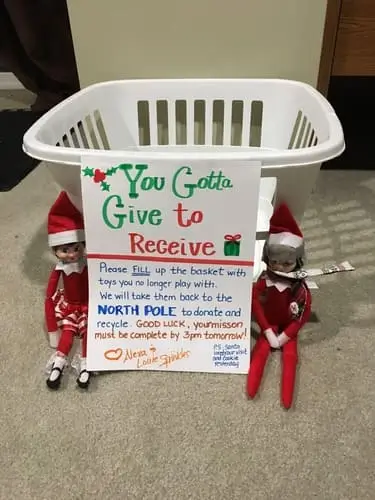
190 436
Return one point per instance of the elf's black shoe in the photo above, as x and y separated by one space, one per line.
54 383
83 381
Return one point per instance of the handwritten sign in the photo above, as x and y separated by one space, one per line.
170 252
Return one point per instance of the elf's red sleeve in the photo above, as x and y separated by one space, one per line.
256 307
49 306
295 326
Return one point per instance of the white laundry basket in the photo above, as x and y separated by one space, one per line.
288 126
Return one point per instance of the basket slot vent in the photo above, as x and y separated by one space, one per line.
85 136
256 124
74 138
88 133
200 122
303 134
237 119
181 117
218 123
143 123
311 139
295 130
66 141
162 122
100 129
306 135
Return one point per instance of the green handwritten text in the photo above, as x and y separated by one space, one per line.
183 184
213 181
115 219
145 183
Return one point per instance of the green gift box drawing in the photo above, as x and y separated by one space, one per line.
232 245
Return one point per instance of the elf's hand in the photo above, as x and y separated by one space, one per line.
272 339
53 339
282 339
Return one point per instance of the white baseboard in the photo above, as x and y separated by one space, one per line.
9 82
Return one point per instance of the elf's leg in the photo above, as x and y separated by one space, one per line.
83 379
289 367
258 360
63 348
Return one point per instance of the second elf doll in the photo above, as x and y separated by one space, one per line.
66 309
280 305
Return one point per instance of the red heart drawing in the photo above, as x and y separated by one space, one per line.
99 176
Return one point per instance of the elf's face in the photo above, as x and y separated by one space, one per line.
282 266
281 258
70 253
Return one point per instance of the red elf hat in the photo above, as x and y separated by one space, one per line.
284 229
65 222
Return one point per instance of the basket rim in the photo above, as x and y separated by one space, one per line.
324 151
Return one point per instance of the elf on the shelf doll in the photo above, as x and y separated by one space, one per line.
66 309
280 305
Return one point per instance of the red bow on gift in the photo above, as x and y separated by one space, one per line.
232 237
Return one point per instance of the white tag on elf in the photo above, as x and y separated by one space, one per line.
307 273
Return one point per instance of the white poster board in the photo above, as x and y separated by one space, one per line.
170 251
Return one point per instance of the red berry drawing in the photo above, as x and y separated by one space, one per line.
99 176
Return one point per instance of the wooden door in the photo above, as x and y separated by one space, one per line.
355 43
349 40
347 77
329 44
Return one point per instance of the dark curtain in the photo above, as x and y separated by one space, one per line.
36 45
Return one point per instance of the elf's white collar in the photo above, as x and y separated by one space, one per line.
71 267
281 285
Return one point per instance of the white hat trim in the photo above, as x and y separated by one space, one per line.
285 238
66 237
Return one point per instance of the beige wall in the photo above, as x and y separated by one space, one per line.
117 39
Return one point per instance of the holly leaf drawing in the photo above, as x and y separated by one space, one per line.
104 186
88 172
111 171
